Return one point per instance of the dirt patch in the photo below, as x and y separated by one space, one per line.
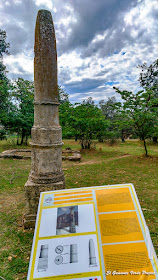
101 161
9 202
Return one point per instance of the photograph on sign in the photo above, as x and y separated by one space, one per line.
59 256
67 220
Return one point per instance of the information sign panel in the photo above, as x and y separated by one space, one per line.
95 233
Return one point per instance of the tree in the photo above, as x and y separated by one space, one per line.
62 95
88 122
20 119
141 112
3 45
88 101
4 82
4 99
149 80
111 113
3 50
149 76
108 109
65 111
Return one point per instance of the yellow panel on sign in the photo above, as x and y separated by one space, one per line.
127 261
109 200
73 200
120 227
71 192
73 196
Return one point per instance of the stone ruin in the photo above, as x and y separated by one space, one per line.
46 164
68 154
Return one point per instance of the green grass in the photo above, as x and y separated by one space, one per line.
122 163
132 147
11 144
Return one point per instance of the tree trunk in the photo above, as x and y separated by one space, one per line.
88 146
146 152
123 136
155 139
82 146
26 138
22 137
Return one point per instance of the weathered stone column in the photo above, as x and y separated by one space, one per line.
46 159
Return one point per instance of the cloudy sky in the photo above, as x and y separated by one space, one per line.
99 43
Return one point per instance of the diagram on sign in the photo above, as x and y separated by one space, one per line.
43 258
67 254
92 257
59 249
73 253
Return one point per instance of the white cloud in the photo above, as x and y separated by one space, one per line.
47 3
19 64
95 48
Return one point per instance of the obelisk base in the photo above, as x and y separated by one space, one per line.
32 194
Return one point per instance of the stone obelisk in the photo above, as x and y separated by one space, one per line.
46 158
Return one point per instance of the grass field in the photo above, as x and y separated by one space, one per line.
122 163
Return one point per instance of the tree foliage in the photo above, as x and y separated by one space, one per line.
3 45
88 123
62 95
108 108
22 97
65 111
112 115
4 82
140 111
149 76
3 50
19 114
